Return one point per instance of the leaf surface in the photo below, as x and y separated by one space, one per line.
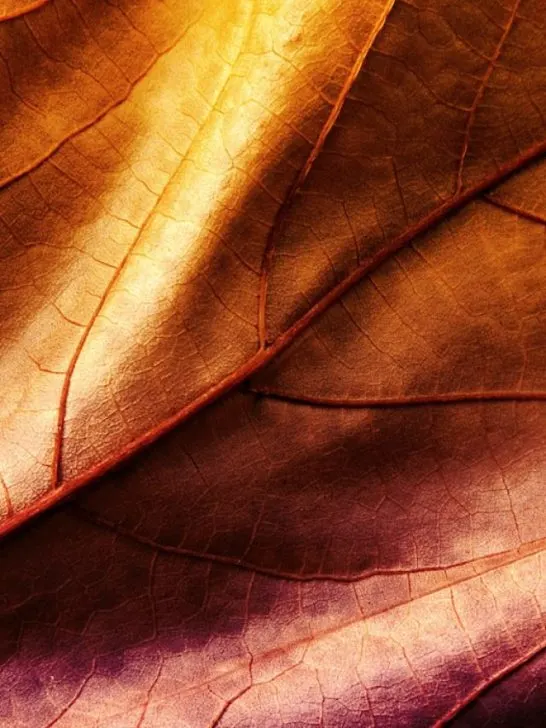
146 211
299 253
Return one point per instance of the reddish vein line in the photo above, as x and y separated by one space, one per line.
231 701
264 356
37 163
371 263
346 624
57 458
56 476
495 679
283 210
515 555
23 11
481 91
76 695
510 556
515 209
404 401
149 692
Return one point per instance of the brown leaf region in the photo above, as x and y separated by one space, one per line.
273 355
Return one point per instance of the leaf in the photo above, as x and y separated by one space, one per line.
99 221
340 250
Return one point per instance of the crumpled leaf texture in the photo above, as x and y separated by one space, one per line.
273 286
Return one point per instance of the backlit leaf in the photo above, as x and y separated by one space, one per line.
273 289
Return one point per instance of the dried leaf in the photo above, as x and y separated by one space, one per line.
315 231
